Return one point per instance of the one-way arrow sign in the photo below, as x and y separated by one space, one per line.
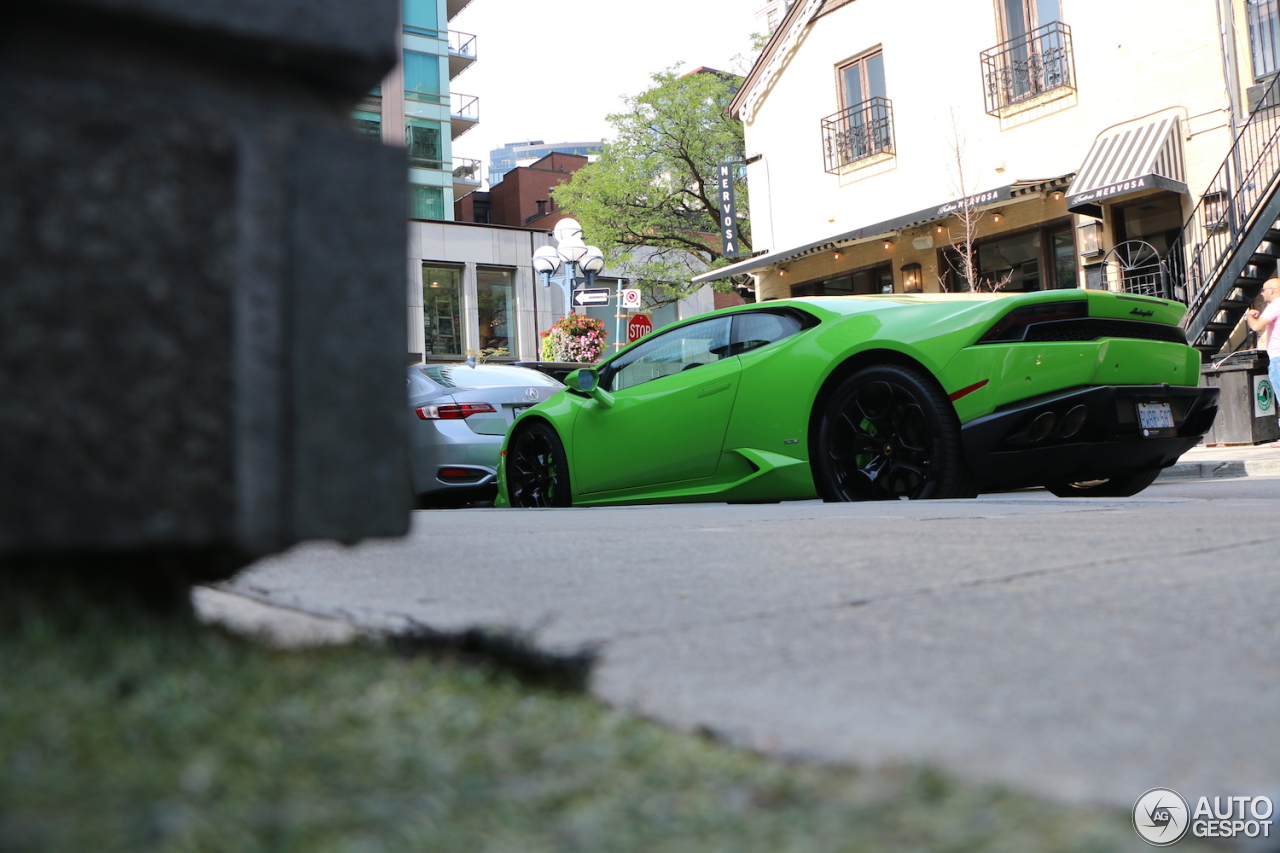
591 296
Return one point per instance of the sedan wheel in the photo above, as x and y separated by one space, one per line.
889 433
1116 487
538 469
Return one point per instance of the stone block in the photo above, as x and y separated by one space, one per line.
347 44
201 264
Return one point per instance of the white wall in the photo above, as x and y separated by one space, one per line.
1132 58
471 246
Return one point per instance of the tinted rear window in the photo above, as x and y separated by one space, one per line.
463 376
753 330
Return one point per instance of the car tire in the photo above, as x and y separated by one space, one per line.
1116 487
537 469
889 432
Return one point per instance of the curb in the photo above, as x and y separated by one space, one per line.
1220 469
1203 471
283 627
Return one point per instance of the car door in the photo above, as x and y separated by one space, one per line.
672 397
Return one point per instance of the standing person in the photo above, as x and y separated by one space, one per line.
1266 320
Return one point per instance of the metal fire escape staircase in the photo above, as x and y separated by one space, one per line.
1231 243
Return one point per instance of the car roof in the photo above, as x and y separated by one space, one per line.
463 375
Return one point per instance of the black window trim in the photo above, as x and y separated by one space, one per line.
807 321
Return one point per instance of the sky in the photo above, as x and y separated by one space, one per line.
554 71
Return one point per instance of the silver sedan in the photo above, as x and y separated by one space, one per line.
458 415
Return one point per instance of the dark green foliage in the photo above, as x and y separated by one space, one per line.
650 202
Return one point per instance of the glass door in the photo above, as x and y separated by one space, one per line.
866 111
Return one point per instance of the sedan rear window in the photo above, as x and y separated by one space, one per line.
466 376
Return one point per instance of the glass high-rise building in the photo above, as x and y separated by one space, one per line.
416 107
513 154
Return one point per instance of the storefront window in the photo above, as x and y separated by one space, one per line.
496 304
442 310
1064 259
1156 220
877 279
1144 233
1042 259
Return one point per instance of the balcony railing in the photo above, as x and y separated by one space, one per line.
425 96
466 170
863 130
464 106
1028 66
462 52
463 44
464 113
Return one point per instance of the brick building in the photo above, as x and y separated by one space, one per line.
524 197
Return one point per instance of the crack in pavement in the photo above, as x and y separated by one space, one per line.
933 589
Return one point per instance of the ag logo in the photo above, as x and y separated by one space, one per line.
1161 817
1264 397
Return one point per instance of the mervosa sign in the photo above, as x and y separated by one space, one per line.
728 212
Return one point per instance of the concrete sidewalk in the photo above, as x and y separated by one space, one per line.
1226 460
287 627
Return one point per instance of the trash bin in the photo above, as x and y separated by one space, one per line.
1246 403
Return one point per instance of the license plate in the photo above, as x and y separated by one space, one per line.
1156 419
517 411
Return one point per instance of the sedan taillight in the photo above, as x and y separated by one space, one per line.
452 412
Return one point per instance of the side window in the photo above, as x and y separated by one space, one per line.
862 80
756 329
1264 37
1034 49
1020 18
865 120
670 352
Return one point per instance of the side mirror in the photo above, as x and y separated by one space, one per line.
586 382
583 379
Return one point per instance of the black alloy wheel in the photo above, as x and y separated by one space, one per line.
1115 487
889 433
538 469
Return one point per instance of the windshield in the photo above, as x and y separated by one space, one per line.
464 376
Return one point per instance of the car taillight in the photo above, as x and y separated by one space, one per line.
1013 326
452 412
461 475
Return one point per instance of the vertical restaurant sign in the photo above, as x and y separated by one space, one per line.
728 212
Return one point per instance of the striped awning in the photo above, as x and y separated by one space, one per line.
1140 157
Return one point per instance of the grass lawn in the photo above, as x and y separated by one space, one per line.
121 731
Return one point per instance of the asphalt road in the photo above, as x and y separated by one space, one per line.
1085 649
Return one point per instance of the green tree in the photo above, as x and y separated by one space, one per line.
651 201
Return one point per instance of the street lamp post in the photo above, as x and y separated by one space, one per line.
569 256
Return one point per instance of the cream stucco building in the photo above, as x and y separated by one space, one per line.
1058 128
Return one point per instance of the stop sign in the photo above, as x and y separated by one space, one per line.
638 326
